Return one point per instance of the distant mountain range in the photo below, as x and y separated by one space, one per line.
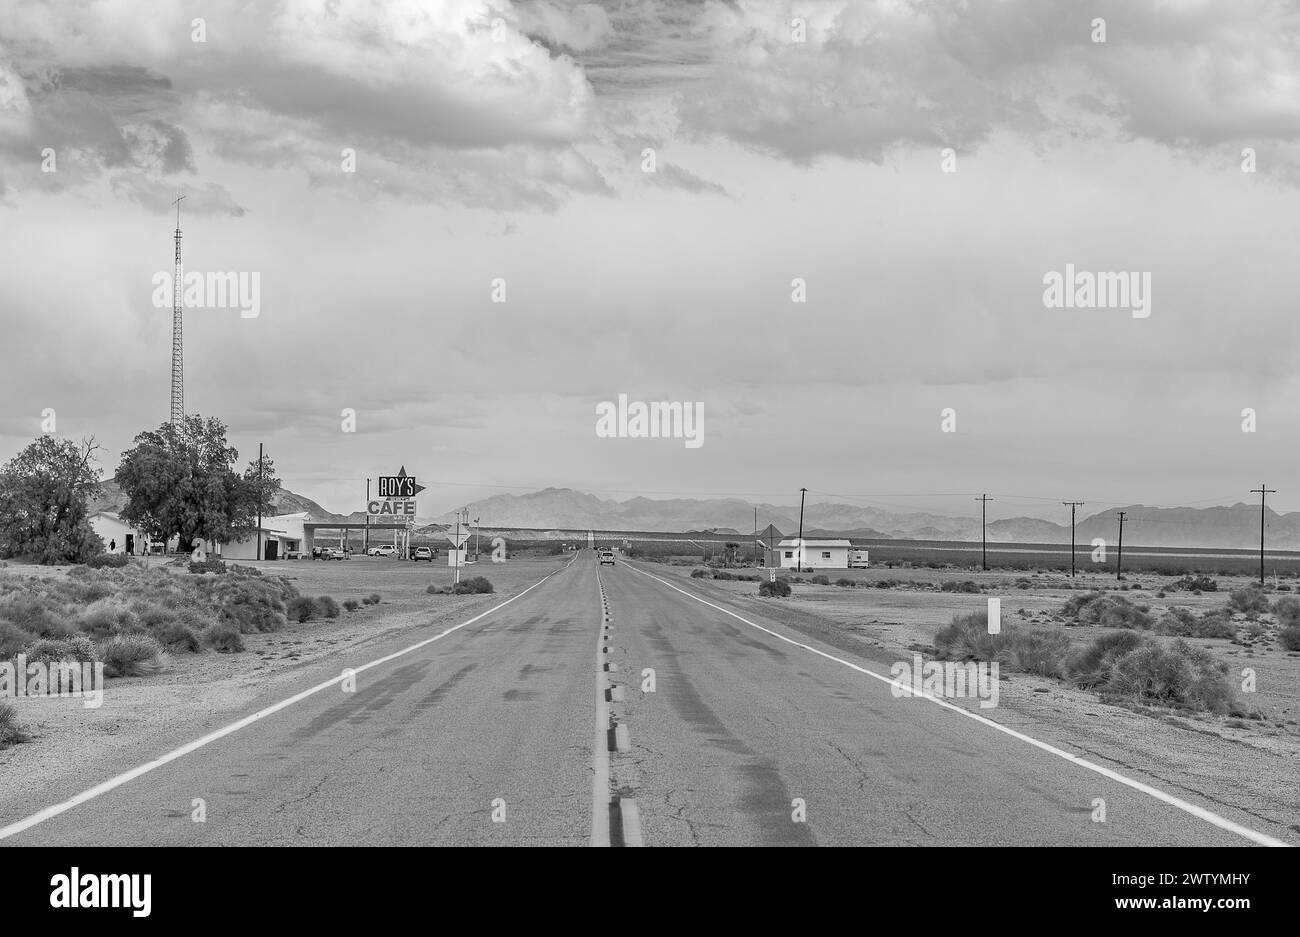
1231 527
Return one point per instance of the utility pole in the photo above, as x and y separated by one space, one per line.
1262 491
1073 505
1119 555
259 497
984 529
799 555
456 546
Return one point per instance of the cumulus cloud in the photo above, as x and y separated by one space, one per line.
470 108
863 78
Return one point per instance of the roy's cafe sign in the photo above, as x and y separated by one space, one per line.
396 496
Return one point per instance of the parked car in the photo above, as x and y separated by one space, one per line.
422 553
606 557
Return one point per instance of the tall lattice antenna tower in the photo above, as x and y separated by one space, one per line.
178 347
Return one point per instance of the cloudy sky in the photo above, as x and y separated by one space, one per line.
498 140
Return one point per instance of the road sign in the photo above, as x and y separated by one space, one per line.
400 485
457 539
403 508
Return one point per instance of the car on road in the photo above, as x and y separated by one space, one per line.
606 557
421 553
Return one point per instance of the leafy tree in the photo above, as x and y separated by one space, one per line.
262 485
179 480
44 494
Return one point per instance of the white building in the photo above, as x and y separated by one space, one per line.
113 530
280 534
815 554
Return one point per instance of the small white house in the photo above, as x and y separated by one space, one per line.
814 554
280 534
120 534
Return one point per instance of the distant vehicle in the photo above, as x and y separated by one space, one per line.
386 550
422 553
606 557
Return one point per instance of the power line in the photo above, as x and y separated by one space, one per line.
1262 491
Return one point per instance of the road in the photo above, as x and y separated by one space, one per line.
492 733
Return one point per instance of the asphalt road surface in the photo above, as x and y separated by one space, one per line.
494 733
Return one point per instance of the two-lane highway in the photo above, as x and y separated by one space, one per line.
752 734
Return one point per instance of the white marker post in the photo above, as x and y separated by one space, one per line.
995 616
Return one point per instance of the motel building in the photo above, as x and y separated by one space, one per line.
113 529
814 554
281 535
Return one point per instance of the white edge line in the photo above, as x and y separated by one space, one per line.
1262 839
600 749
119 780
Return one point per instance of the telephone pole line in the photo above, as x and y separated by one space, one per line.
984 529
1073 505
1119 555
1262 491
799 555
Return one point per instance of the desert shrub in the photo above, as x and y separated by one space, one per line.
326 607
472 585
1040 650
966 637
1183 623
13 639
106 618
53 650
1106 611
954 586
11 733
1287 611
1091 666
699 574
1179 675
176 636
131 655
372 599
351 605
210 565
300 608
1250 599
847 583
109 560
1195 584
224 638
780 588
820 580
38 613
